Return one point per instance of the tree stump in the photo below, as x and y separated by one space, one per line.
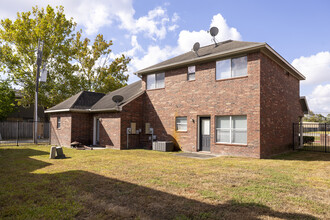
52 152
59 152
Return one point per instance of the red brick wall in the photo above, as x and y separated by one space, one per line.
280 107
109 129
132 112
206 97
60 136
82 128
113 126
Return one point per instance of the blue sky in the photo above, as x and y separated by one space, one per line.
153 31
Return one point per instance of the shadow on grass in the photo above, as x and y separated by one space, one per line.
81 194
304 155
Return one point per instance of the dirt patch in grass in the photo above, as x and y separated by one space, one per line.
138 184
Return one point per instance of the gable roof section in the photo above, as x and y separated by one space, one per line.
129 93
98 102
223 50
81 101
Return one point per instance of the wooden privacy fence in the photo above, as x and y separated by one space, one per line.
10 130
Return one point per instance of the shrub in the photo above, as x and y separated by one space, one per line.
308 139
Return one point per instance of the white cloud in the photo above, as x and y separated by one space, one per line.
173 27
316 68
153 25
187 39
153 55
156 54
175 17
93 15
319 100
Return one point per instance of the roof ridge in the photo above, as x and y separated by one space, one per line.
123 87
81 92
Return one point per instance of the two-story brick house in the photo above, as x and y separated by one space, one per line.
234 98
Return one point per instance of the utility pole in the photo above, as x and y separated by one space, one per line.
35 118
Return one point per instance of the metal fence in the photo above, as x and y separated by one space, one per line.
22 132
311 136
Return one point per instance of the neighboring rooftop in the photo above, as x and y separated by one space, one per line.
223 49
304 105
92 101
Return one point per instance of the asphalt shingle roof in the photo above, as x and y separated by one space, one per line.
128 92
92 101
222 47
82 100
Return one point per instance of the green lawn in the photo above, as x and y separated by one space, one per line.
140 184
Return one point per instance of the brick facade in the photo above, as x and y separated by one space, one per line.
268 96
109 129
60 136
206 96
280 108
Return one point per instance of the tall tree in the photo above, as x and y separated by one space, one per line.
98 72
72 63
7 100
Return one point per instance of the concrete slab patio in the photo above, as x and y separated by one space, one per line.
197 155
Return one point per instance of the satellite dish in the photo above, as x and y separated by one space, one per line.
117 99
196 47
214 31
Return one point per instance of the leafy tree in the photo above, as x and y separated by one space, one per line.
97 72
7 100
311 117
72 63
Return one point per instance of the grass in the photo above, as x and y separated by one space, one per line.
139 184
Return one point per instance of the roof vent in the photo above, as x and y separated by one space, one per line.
196 48
214 31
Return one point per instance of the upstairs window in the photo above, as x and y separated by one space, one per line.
231 68
58 122
181 123
156 81
191 73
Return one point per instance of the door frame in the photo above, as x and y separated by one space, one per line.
199 131
94 129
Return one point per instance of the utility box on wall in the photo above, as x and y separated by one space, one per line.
164 146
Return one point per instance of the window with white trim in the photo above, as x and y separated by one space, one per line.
191 73
58 122
181 123
155 81
231 68
231 129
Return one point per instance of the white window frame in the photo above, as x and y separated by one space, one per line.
231 129
156 83
231 68
58 122
191 72
176 123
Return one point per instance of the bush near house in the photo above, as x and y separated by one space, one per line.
140 184
308 139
